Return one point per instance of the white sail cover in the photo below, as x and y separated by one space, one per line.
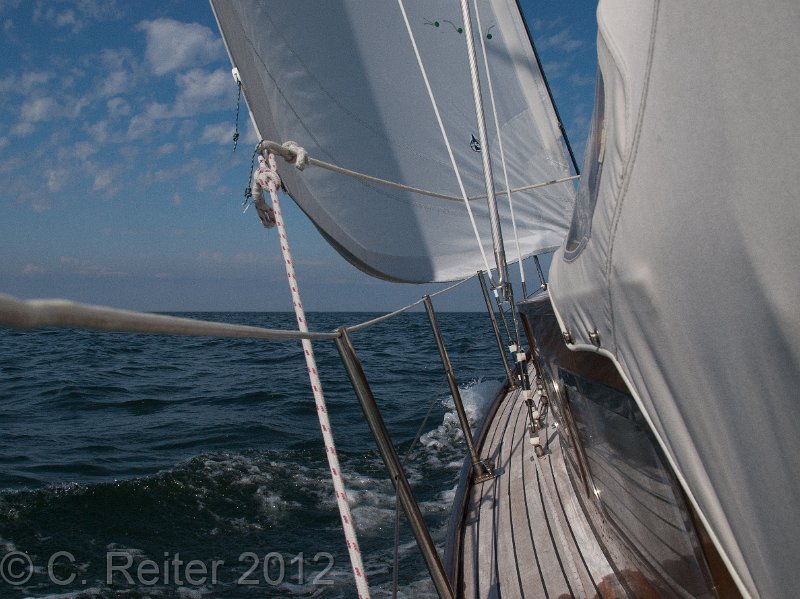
687 266
340 78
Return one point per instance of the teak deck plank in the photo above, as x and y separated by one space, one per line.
524 533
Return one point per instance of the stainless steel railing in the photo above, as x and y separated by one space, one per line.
41 313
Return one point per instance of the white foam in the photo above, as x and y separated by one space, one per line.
477 397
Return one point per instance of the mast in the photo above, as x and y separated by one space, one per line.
488 176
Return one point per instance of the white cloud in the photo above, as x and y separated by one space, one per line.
22 129
103 181
221 133
79 266
186 130
118 107
4 141
34 80
540 25
141 126
172 45
39 109
118 69
39 202
66 18
561 40
199 91
78 14
56 178
99 132
556 68
32 269
202 91
84 149
114 83
580 80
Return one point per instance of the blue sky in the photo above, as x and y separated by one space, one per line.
119 186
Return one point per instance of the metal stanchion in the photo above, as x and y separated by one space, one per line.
542 281
482 470
390 458
511 380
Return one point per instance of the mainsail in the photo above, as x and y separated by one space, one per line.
341 80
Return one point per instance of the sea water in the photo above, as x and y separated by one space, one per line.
149 466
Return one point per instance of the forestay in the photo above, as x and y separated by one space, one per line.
340 78
686 266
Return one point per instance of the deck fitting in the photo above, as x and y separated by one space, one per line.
483 471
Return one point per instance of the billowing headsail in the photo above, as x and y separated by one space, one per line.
682 259
340 78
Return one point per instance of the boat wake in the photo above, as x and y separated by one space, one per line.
236 509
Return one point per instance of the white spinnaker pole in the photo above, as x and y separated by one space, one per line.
268 178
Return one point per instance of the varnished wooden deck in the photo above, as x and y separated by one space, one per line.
524 533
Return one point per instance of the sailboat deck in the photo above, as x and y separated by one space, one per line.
524 532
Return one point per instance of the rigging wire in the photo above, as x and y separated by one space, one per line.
499 140
389 315
486 158
444 134
497 236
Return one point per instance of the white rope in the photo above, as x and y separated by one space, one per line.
288 153
499 140
273 182
33 314
444 134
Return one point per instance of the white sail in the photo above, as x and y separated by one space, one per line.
686 265
341 80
